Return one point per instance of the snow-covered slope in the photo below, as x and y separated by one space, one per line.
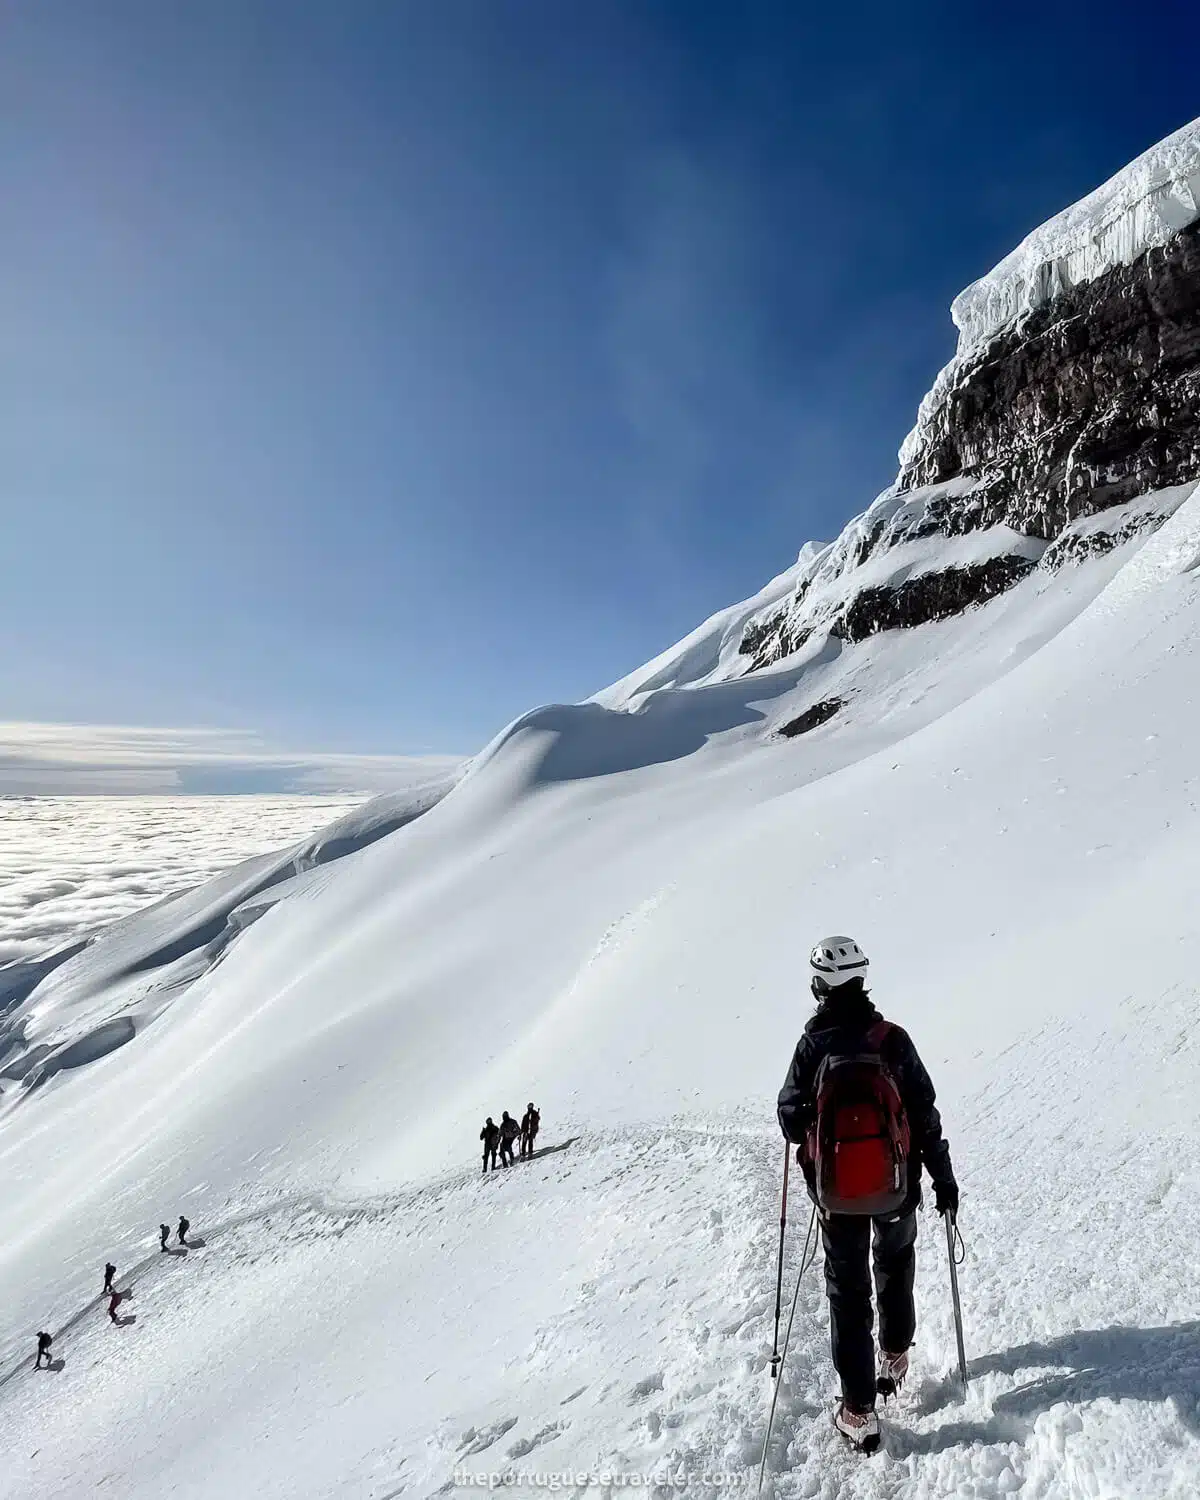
711 652
609 913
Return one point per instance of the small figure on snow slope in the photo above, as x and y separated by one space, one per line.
109 1272
509 1131
860 1105
530 1124
184 1226
164 1234
44 1342
490 1136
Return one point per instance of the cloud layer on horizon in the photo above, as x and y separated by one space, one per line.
38 759
70 867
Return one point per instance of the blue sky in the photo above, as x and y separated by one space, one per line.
375 371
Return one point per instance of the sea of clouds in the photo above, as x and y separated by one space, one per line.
70 864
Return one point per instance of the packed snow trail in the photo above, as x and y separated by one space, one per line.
609 1307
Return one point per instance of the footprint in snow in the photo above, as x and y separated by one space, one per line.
475 1441
646 1387
527 1445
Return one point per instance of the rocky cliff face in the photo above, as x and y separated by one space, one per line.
1093 400
1086 400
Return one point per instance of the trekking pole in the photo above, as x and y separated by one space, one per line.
956 1250
806 1260
787 1159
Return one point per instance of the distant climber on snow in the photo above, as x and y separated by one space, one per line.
164 1234
109 1272
490 1136
859 1104
44 1342
509 1131
530 1122
114 1302
184 1226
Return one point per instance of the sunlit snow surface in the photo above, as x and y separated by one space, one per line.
68 865
609 914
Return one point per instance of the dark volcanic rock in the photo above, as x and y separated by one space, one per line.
772 638
1076 547
811 718
1091 400
932 596
1087 402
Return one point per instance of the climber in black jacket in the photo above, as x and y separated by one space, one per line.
509 1131
843 1018
490 1136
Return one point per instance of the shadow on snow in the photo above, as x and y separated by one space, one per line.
1113 1364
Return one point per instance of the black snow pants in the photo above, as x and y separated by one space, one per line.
489 1151
847 1240
506 1156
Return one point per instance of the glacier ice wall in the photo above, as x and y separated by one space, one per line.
1144 205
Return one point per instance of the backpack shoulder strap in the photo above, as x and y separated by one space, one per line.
879 1033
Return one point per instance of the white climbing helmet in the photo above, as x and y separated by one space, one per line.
837 960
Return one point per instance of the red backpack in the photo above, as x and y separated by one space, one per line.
859 1143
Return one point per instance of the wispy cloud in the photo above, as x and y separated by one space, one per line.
105 759
681 319
705 382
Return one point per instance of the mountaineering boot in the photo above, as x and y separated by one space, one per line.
859 1428
892 1370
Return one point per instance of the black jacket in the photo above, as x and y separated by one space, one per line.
840 1026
